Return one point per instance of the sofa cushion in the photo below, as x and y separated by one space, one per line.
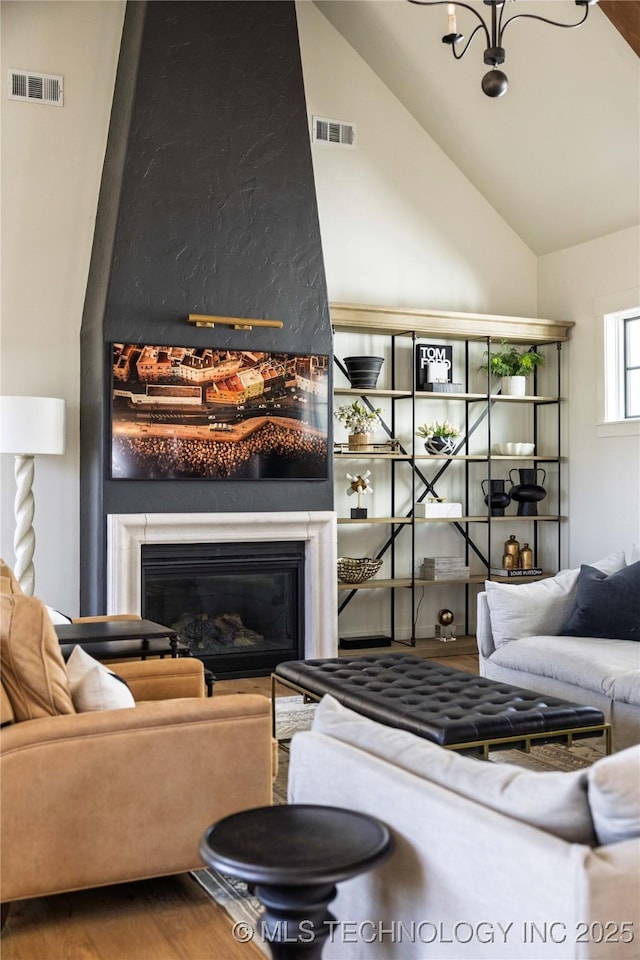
33 671
606 606
553 802
586 662
614 796
626 689
94 686
530 609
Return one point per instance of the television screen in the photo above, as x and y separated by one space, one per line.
201 413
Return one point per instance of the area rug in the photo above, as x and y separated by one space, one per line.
293 715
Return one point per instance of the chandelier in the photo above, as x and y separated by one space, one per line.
494 83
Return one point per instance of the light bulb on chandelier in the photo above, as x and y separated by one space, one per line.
495 82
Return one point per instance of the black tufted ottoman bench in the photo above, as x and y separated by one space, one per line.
457 710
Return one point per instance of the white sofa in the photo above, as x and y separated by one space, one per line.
518 627
490 860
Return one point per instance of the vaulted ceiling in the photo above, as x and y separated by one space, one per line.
558 157
625 16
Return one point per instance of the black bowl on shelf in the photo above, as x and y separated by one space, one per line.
363 372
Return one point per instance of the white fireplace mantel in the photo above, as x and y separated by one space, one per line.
127 532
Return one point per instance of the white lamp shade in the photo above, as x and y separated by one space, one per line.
31 425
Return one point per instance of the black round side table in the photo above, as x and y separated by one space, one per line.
294 855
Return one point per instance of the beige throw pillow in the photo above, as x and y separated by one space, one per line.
33 671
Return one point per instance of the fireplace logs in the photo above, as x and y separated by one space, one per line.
204 634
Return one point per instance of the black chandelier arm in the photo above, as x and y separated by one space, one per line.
445 3
460 55
553 23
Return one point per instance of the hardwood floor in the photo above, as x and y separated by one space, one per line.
466 662
170 918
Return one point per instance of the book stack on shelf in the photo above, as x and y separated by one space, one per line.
444 568
517 573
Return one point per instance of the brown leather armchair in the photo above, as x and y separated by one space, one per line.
110 796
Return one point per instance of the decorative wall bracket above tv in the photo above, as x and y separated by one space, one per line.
238 323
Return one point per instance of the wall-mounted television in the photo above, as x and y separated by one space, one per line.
202 413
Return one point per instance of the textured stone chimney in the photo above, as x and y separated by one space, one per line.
207 205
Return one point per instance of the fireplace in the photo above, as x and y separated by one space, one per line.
306 540
239 607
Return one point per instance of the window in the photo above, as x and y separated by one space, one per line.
622 366
631 366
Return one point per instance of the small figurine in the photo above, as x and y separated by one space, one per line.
361 486
445 631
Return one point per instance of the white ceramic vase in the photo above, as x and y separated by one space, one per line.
513 386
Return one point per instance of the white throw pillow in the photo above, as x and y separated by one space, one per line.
553 802
56 617
539 609
94 686
614 796
632 555
531 609
611 563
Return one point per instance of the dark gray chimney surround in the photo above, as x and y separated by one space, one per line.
207 205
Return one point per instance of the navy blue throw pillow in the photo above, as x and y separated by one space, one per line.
606 606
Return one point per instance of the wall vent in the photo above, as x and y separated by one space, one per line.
35 87
334 131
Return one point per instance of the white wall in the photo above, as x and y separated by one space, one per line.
51 168
401 226
604 470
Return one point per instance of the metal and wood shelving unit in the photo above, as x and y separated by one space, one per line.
430 473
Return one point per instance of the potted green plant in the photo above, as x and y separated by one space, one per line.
513 366
439 437
359 421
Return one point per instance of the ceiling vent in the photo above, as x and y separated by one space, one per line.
334 131
35 87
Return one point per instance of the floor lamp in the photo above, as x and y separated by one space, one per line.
28 426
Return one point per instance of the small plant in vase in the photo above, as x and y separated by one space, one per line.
359 421
439 437
513 366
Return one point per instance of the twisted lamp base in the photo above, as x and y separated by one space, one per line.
24 538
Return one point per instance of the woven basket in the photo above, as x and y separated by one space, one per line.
354 570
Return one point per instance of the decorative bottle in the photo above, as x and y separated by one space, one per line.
526 557
511 549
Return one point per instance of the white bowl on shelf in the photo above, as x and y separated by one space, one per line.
514 449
